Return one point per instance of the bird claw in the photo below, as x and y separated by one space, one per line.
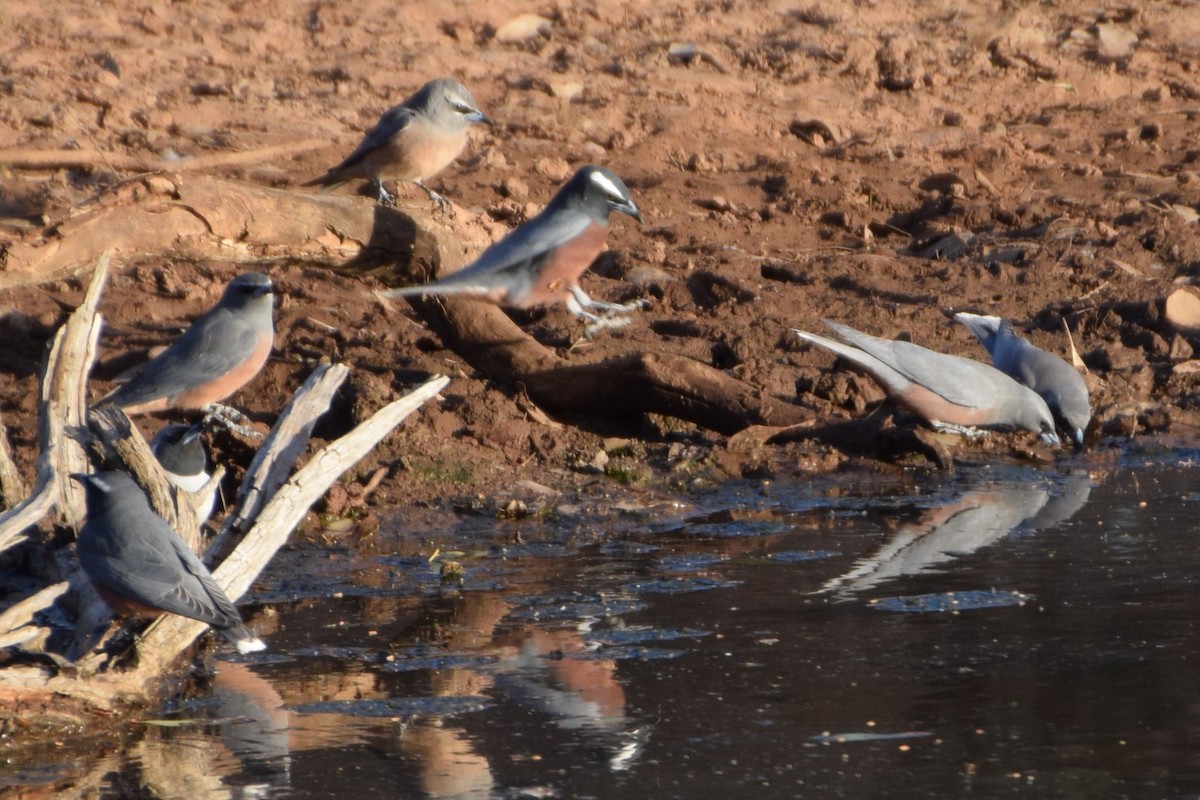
610 312
974 434
231 418
443 203
602 323
385 197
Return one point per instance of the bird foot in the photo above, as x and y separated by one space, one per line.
231 418
974 434
385 197
443 203
602 323
610 312
620 308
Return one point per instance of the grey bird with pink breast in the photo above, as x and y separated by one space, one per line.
220 352
949 392
412 141
142 568
542 260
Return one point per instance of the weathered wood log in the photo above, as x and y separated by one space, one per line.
62 404
70 159
640 382
12 486
197 217
86 690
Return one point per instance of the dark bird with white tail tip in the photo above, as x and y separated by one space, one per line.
141 567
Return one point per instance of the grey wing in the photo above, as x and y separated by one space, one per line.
143 566
527 244
393 121
209 349
198 591
960 380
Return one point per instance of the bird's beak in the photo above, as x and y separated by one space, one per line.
192 433
1050 438
1077 438
79 477
632 210
479 116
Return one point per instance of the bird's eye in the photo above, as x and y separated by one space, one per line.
462 109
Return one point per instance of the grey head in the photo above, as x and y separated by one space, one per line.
108 490
449 103
1029 411
180 449
597 192
253 294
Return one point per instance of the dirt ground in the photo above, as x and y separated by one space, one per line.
880 164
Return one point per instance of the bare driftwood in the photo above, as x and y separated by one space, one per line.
271 506
641 382
170 635
70 159
61 407
287 440
12 485
196 217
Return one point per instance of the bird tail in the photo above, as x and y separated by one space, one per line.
327 182
846 351
984 328
244 639
447 287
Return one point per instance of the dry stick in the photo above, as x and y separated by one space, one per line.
14 622
12 486
121 436
61 406
170 635
283 445
164 640
57 159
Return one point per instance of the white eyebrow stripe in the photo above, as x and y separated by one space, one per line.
608 186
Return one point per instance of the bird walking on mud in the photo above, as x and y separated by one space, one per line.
1059 384
217 355
542 260
951 393
141 567
412 141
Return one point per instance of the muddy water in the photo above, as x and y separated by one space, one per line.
997 632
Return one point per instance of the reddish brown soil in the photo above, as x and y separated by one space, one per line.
798 162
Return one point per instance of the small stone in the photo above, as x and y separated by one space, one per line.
513 188
566 90
522 28
1179 350
556 169
1115 42
1183 310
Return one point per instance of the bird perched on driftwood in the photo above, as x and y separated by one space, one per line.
141 567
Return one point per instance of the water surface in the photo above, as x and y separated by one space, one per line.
996 632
